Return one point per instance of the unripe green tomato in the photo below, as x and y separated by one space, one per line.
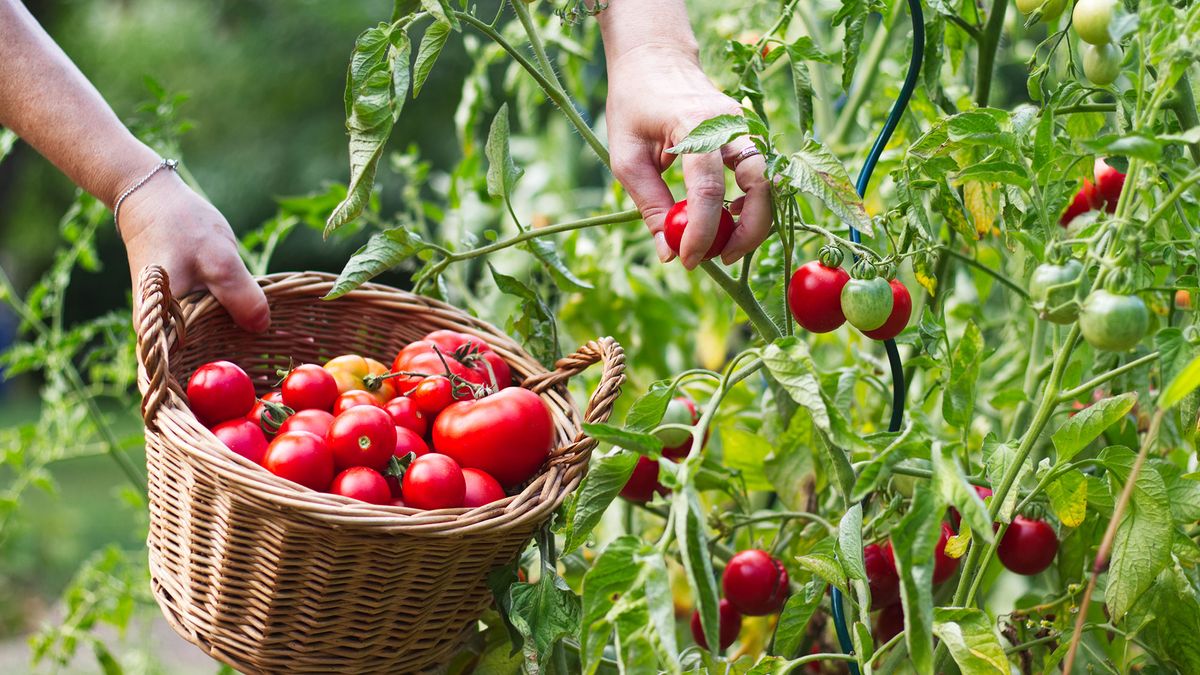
1051 9
1051 294
867 303
678 412
1091 19
1102 64
1114 323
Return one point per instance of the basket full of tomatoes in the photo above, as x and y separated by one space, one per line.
331 495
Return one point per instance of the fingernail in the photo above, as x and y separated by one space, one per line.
691 261
665 254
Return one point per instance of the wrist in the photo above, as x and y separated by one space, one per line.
123 171
660 27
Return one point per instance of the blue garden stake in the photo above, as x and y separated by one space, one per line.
864 178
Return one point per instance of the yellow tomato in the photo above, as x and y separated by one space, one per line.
350 371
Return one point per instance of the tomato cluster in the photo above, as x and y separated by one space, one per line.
823 296
1101 194
755 584
442 428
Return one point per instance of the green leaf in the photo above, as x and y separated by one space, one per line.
951 483
383 251
826 568
791 365
790 464
502 173
431 46
913 541
648 410
638 441
1077 432
441 11
603 482
401 73
853 13
972 641
711 134
693 547
1142 546
613 575
958 402
818 172
1175 622
802 87
1183 384
793 621
850 546
546 252
1068 497
660 604
544 613
746 452
535 323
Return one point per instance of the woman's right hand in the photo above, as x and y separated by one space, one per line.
165 223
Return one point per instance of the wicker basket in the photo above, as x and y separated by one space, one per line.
268 576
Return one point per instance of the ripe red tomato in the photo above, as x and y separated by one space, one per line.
363 484
243 437
755 583
432 395
480 488
1109 183
1028 546
397 501
262 415
408 441
508 434
220 391
468 357
351 370
677 221
881 575
944 566
1084 201
301 457
729 625
309 387
898 319
643 482
313 421
405 414
434 481
353 399
362 436
815 296
889 623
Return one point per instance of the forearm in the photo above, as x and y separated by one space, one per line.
627 25
53 107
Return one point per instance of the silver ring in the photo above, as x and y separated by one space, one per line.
744 154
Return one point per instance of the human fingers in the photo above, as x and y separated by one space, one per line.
704 176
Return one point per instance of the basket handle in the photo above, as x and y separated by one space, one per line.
157 313
600 405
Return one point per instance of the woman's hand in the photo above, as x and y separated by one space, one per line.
164 222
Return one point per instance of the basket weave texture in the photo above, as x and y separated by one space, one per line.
268 576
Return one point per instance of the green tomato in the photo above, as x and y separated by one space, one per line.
867 303
1052 292
1102 64
1112 322
1091 19
679 411
1051 9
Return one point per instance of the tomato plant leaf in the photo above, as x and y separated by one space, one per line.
1173 622
913 541
693 547
793 621
606 475
791 365
1142 546
951 483
802 86
648 410
534 323
817 171
711 134
850 546
1077 432
1068 497
639 441
972 640
790 464
958 402
431 46
998 457
546 252
825 567
613 575
1184 383
502 172
853 14
1183 489
383 251
746 452
440 10
660 604
544 613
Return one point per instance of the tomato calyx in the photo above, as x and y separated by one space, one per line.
830 256
398 465
273 415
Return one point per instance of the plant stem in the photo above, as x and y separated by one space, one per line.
745 299
1086 107
1185 110
1191 179
1101 379
627 216
788 515
1031 372
989 42
995 274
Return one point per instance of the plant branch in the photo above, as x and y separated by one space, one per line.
989 42
1091 384
995 274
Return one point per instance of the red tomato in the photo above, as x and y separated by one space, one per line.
1028 546
881 575
815 296
363 484
676 223
1084 201
243 437
643 482
889 623
898 319
432 395
729 625
480 488
309 387
405 414
301 457
352 399
351 370
220 391
313 421
755 583
362 436
468 357
396 501
1109 183
262 414
434 481
944 566
408 441
508 434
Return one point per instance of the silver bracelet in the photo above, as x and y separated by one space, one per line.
168 164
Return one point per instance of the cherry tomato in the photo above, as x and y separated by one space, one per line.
1028 546
268 417
220 391
1109 183
755 583
1091 19
881 575
353 399
898 319
889 623
363 484
302 458
1051 9
351 370
313 421
243 437
643 482
397 501
729 625
944 566
1183 299
434 481
1113 322
408 441
815 296
405 414
508 434
1052 289
1102 64
676 223
362 436
1084 201
480 488
309 387
467 357
867 303
432 395
680 410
